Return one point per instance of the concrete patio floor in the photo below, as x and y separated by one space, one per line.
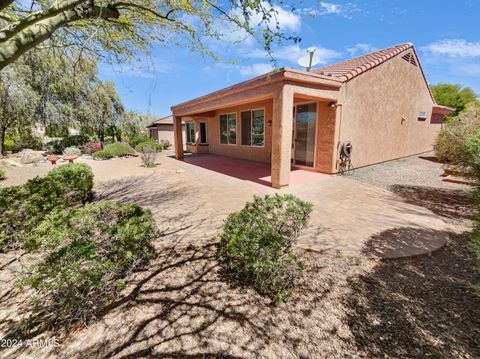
252 171
190 200
190 204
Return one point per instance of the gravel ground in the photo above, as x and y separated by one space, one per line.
419 170
182 306
417 179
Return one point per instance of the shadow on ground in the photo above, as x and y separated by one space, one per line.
450 203
421 307
404 242
182 307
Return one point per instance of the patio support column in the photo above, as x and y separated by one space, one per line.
178 136
282 124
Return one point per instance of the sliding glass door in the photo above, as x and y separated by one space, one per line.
305 127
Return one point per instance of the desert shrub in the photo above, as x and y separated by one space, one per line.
256 244
151 145
3 175
102 155
23 207
119 149
137 138
165 144
451 144
148 153
59 145
92 147
89 253
72 151
9 143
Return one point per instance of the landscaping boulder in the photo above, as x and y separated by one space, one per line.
30 156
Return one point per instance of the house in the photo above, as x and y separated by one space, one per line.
162 129
375 108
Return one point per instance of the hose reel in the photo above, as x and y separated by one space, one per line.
346 150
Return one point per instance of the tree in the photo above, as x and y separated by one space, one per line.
118 29
454 96
451 144
134 123
101 110
17 103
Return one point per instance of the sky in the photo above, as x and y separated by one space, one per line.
445 33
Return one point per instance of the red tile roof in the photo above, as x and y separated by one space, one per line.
349 69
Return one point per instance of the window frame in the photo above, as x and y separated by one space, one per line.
187 125
251 127
236 129
200 133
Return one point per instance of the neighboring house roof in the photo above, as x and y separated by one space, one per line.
346 70
167 120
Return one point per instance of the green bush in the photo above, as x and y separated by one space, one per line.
119 149
256 244
138 138
72 151
141 147
58 146
9 143
3 175
102 155
22 208
90 252
451 143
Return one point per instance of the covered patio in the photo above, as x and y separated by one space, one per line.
256 121
253 171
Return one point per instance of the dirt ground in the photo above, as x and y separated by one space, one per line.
182 306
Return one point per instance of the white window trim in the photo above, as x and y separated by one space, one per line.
251 126
236 128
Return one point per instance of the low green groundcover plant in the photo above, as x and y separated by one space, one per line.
102 155
116 149
22 208
3 175
256 244
88 254
138 138
119 149
148 145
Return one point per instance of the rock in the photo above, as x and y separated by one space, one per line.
7 162
30 156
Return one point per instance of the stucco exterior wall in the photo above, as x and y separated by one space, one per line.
255 153
380 111
164 132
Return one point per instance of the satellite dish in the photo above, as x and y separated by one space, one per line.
310 59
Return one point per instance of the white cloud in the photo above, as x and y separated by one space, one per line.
256 69
291 53
287 20
360 49
330 8
324 8
454 48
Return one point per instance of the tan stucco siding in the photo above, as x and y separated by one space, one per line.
373 106
261 154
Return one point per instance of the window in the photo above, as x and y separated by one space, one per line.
190 127
228 129
253 128
203 133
